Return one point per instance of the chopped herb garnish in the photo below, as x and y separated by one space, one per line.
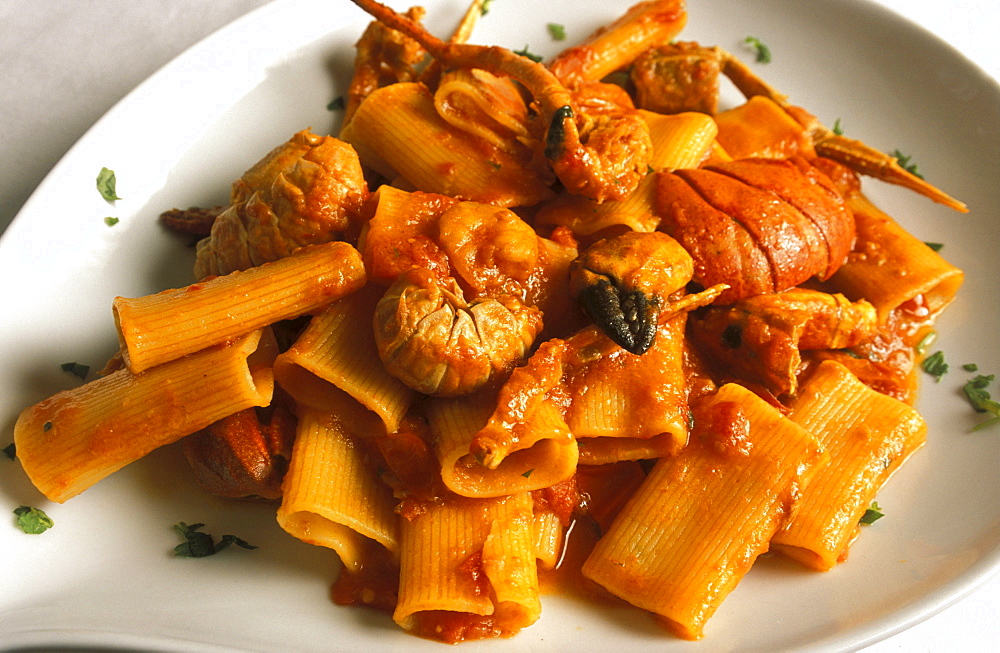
199 545
557 31
872 515
935 365
33 520
926 342
763 52
110 221
336 104
837 129
526 53
106 185
76 369
527 474
47 426
937 247
975 390
10 451
485 7
905 164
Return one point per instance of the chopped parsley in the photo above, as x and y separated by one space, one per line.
926 342
76 369
935 365
557 31
199 545
106 184
872 515
979 397
527 474
110 221
837 129
527 53
970 367
905 164
10 451
33 521
336 104
763 52
937 247
485 7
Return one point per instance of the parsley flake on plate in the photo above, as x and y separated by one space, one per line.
106 183
33 521
76 369
763 52
197 544
935 365
872 515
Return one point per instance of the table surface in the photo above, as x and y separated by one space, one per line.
88 63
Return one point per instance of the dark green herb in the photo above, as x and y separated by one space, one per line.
199 545
106 184
110 221
527 474
979 397
937 247
557 31
970 367
10 451
763 52
33 521
527 53
872 515
336 104
485 7
905 164
76 369
935 365
837 129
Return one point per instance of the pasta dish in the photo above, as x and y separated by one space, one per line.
524 323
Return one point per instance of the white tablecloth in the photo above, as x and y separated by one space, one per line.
64 63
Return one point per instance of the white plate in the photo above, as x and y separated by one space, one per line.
104 575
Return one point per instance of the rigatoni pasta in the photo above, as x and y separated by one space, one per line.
77 437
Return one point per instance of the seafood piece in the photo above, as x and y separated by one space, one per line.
759 225
600 158
677 77
760 338
623 284
615 46
309 190
490 249
383 56
239 457
435 342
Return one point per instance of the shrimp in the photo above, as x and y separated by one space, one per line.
599 159
760 338
624 282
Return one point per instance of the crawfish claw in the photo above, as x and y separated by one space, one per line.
628 317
